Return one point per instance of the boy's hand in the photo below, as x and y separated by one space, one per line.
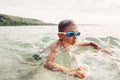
79 72
106 51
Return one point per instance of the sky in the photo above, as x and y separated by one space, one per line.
82 11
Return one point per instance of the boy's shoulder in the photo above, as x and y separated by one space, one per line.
54 44
82 42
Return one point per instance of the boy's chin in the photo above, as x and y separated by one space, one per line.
72 43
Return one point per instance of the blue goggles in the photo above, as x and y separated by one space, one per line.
71 33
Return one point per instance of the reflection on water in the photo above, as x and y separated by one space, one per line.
18 44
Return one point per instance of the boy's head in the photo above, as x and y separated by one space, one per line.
65 23
68 31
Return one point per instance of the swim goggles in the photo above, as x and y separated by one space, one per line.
70 33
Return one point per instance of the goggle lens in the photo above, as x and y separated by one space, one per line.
70 34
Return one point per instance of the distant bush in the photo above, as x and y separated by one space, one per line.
7 20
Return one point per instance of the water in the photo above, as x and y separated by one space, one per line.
18 44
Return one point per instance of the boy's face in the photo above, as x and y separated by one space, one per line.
70 40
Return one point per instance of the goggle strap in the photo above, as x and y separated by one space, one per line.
62 32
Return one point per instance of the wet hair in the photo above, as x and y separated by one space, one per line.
65 23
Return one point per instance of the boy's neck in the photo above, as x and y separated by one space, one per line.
65 45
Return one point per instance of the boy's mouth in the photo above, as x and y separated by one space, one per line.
73 42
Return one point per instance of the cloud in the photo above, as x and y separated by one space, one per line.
55 10
60 4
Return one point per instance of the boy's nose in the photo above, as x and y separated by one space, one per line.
74 37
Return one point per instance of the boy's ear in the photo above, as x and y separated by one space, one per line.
59 35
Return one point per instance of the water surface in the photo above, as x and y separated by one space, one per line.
18 44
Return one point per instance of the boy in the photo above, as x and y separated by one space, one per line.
67 34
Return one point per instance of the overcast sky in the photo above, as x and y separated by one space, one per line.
82 11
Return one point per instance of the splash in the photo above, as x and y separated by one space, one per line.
17 63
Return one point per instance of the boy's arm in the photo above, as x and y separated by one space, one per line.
89 43
95 45
49 64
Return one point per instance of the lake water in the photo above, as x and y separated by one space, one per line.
19 44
